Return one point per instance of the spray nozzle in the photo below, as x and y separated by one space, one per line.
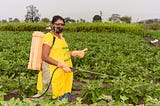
73 69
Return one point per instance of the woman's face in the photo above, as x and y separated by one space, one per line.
58 26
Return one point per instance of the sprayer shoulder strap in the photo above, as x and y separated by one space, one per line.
54 38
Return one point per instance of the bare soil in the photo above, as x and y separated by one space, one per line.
149 39
13 94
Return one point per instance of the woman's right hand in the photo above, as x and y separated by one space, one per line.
64 66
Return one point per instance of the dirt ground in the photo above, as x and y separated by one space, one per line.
77 86
151 40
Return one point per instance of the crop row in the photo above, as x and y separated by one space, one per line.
77 27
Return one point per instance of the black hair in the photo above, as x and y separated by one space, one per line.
57 17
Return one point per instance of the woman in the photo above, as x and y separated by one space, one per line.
55 53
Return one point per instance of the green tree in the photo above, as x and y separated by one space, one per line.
4 20
69 20
82 20
126 19
97 18
32 14
149 21
46 20
16 20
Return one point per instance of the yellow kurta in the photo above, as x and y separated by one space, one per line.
61 81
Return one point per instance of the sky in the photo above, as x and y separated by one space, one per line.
85 9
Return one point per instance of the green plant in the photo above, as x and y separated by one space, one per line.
93 90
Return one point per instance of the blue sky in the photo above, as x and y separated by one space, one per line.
85 9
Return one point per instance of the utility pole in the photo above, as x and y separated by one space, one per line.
101 13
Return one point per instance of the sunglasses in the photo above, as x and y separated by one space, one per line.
59 24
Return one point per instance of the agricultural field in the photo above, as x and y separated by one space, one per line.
129 69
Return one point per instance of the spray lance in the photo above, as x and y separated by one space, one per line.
78 69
